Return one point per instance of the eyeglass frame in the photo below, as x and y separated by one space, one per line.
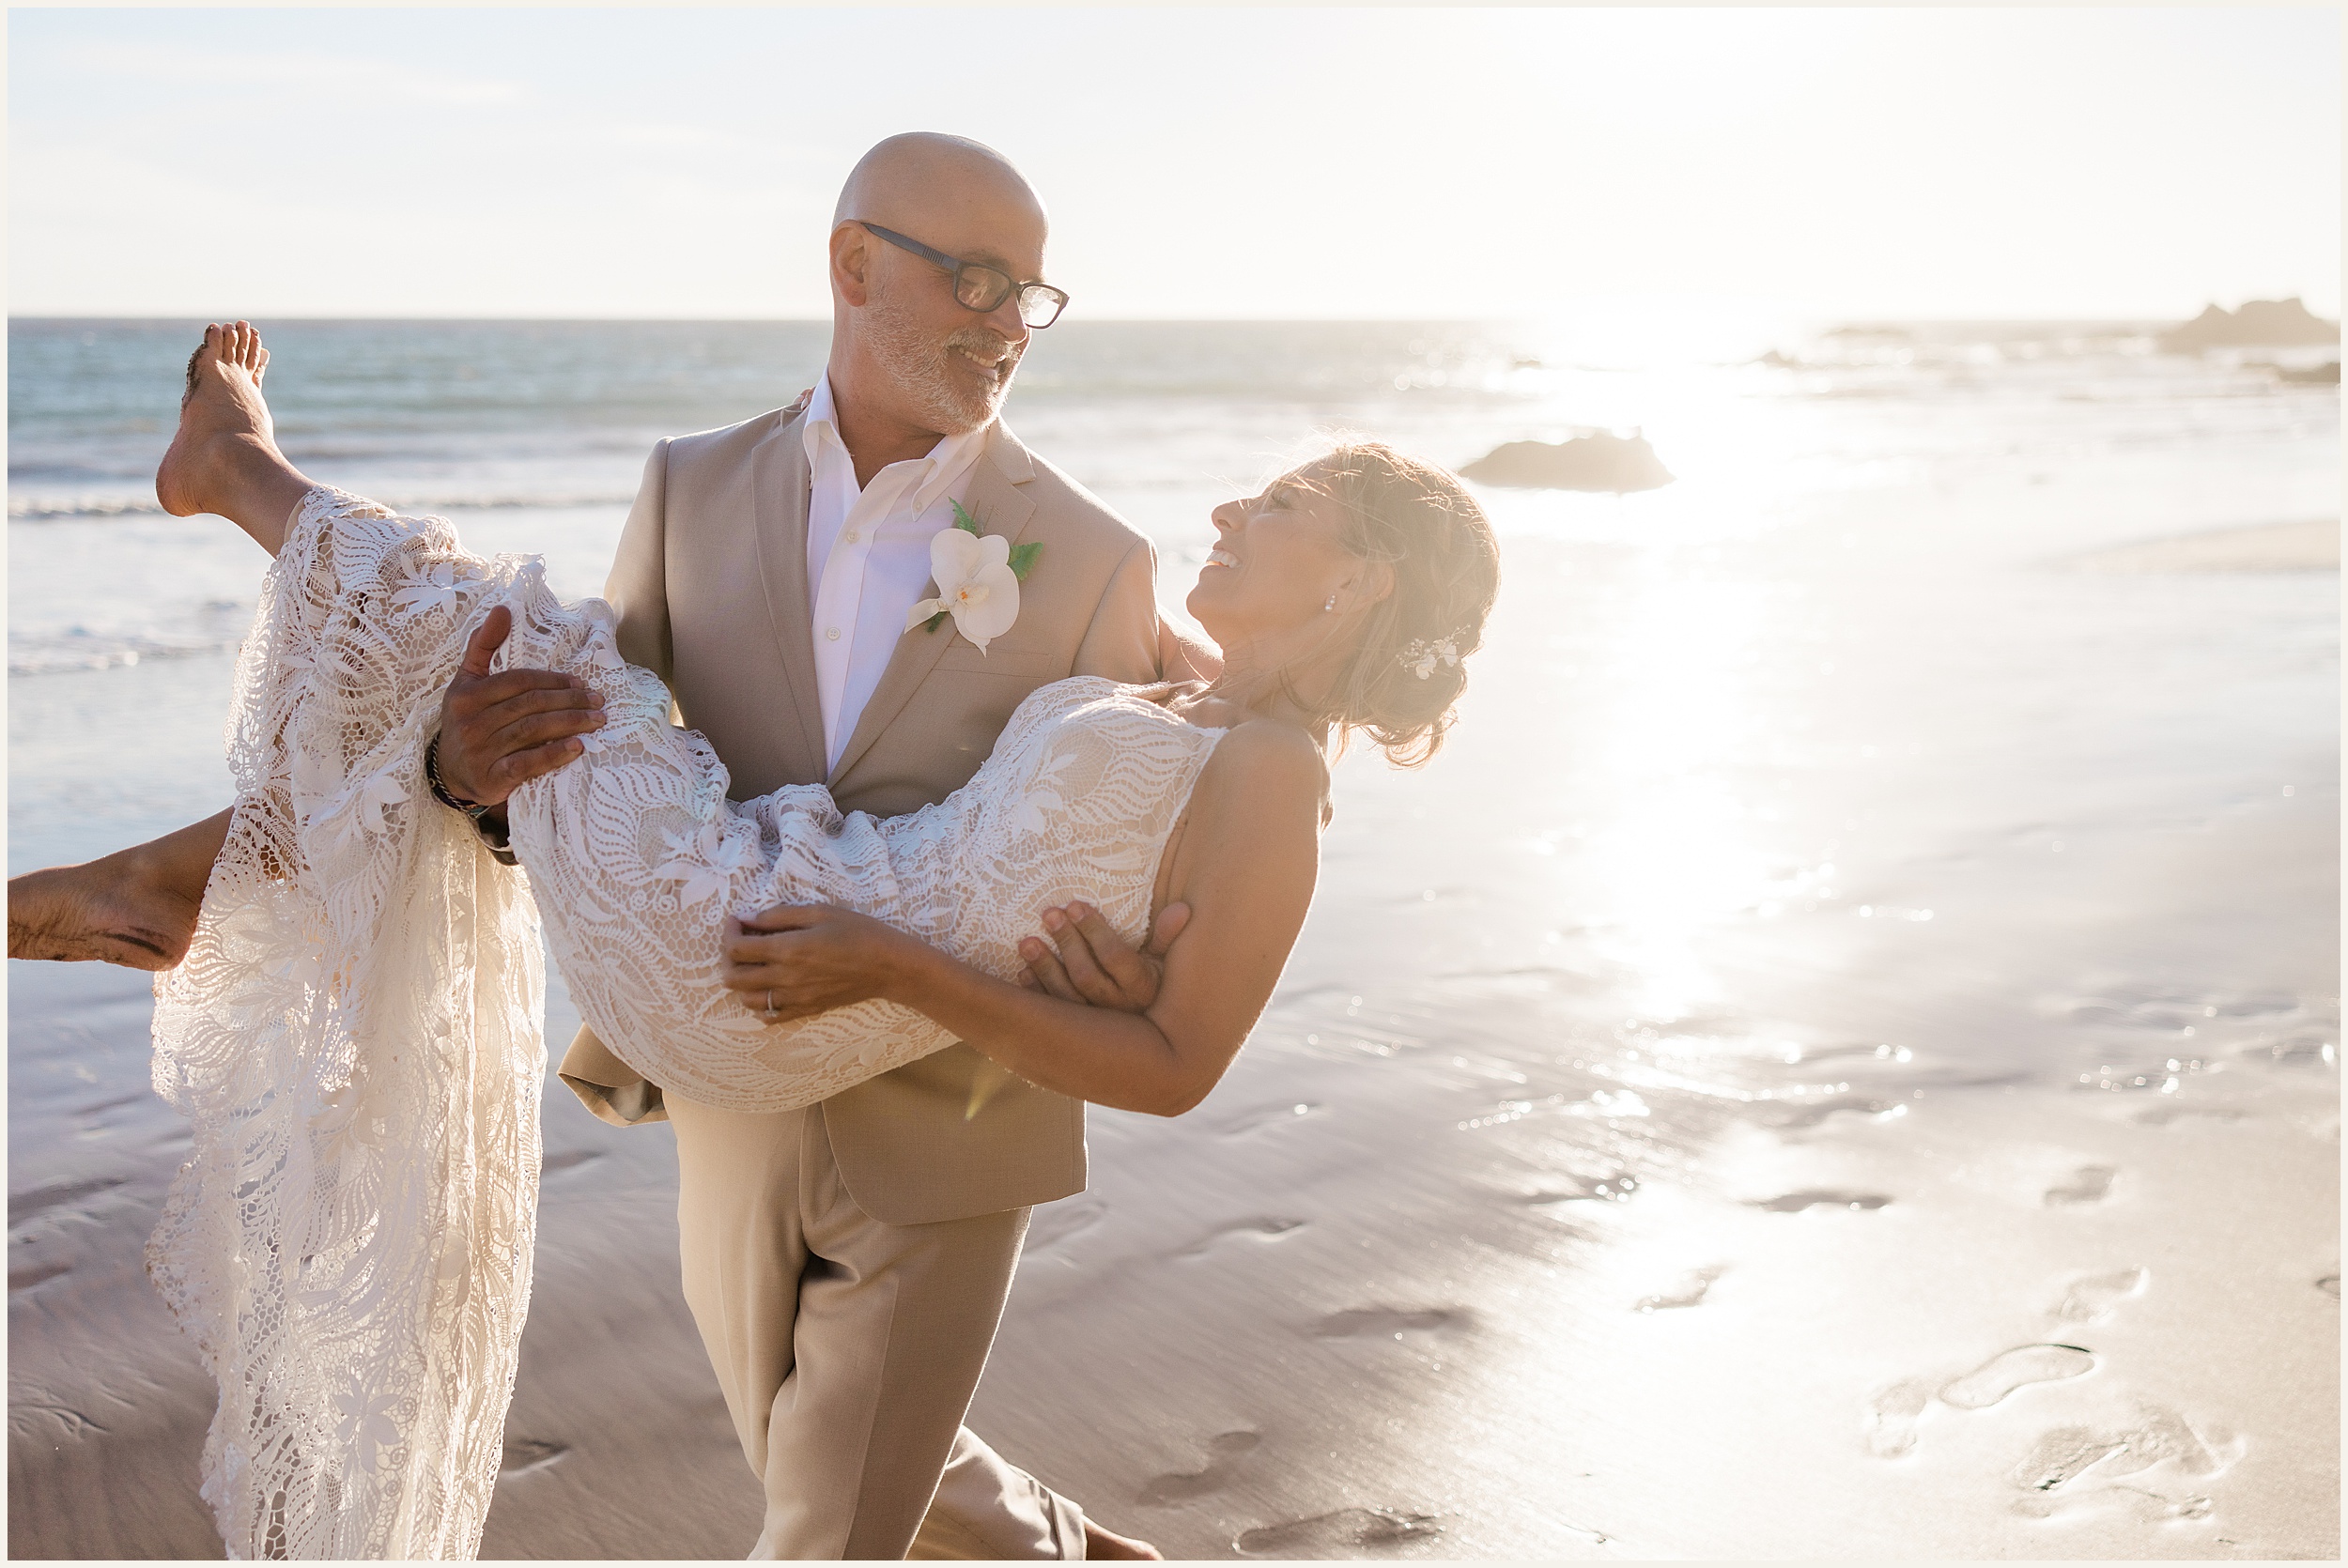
1012 287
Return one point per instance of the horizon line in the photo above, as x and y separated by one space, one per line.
141 317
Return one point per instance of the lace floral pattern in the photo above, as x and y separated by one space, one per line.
356 1035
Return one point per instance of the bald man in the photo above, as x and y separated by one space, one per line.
847 1264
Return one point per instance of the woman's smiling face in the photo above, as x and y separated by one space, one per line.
1278 556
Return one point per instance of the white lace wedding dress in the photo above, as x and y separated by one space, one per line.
356 1036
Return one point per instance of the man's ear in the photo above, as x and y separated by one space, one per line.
851 262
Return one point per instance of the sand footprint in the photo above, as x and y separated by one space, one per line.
2088 1184
2091 1298
2156 1438
31 1274
1347 1532
1224 1450
1891 1417
1794 1202
1690 1294
1380 1322
1894 1414
1268 1228
2015 1369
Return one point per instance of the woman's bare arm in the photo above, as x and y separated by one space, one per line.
1246 866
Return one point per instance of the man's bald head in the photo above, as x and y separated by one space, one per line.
906 179
907 354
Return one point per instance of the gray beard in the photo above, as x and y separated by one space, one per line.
917 363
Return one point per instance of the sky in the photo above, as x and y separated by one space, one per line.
1214 163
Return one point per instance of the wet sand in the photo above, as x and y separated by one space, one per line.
1838 1059
2274 547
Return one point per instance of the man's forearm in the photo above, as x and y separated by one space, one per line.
1118 1059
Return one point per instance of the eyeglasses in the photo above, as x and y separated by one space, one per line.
984 288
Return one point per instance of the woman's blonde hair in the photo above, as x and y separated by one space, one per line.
1417 521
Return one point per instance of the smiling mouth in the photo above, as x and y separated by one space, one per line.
993 369
1221 557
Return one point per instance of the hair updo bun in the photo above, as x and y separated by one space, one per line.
1419 522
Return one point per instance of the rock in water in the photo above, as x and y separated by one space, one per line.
2258 324
1600 462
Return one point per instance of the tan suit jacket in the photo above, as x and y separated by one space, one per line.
710 584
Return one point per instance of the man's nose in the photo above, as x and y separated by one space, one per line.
1006 320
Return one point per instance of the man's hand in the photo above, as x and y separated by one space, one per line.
1093 965
799 959
499 732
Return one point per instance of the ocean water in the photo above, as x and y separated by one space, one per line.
1795 732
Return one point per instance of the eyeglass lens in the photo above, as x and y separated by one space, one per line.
1040 306
984 288
980 288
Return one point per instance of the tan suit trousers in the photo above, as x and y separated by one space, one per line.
848 1350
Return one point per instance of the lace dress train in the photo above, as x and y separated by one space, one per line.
357 1034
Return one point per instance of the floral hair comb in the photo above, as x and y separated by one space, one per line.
1419 656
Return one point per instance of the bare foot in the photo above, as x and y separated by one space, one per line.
109 910
136 907
223 458
1105 1542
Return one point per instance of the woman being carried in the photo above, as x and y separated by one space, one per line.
354 1032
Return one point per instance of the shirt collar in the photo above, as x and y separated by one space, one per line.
948 461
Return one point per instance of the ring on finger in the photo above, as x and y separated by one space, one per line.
770 1003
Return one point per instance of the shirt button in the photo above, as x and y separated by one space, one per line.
832 632
853 536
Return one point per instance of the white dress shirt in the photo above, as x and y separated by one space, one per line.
867 556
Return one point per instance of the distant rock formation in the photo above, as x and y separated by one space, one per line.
2310 375
2258 324
1620 464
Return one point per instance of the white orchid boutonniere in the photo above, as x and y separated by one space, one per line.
978 580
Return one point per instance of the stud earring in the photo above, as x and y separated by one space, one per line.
1332 604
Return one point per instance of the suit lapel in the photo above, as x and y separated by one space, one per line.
780 478
994 498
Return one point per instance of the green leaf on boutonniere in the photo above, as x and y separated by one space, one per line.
963 521
1023 556
934 622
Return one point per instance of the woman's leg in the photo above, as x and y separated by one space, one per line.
136 907
224 458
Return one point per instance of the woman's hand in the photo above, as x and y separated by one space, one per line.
796 961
